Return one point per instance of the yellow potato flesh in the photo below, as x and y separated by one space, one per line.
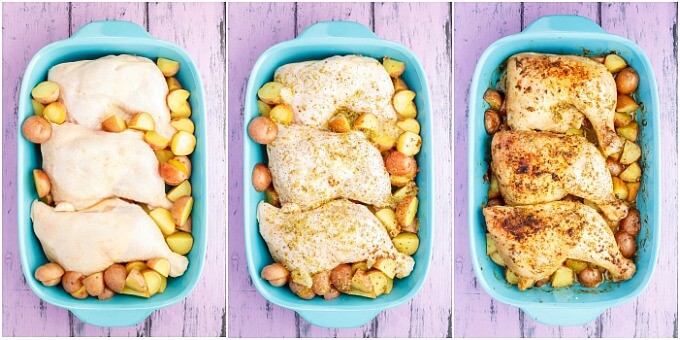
163 219
180 242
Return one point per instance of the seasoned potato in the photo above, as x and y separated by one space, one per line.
282 114
387 266
409 188
358 292
359 265
614 63
632 173
401 181
341 277
622 119
511 277
393 67
626 243
406 243
276 274
399 164
562 277
413 227
494 202
367 122
492 121
542 282
72 281
490 245
379 282
573 131
625 104
409 143
261 177
620 188
263 130
270 93
263 108
631 153
321 283
407 210
409 124
590 277
114 277
627 80
629 131
383 142
36 129
494 98
361 281
631 223
49 274
339 123
389 219
301 291
576 265
633 189
404 105
331 294
615 168
494 191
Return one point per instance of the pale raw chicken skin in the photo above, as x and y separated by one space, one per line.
318 89
553 93
90 241
87 166
319 240
535 240
539 167
124 85
310 167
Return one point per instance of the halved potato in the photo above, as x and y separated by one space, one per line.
400 181
406 210
387 266
625 104
393 67
272 197
135 281
629 131
490 245
631 153
163 155
379 282
130 291
384 142
114 124
178 103
409 188
167 66
156 141
389 219
399 84
38 107
142 121
494 98
367 122
614 63
153 281
139 265
406 243
576 265
183 124
622 119
173 84
180 242
55 112
632 173
43 185
404 105
409 143
164 219
94 284
409 124
173 172
361 281
339 123
511 277
633 189
263 108
270 93
161 265
358 292
562 277
282 114
181 210
620 188
496 258
46 92
183 143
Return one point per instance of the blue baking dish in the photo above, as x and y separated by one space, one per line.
95 40
320 41
564 34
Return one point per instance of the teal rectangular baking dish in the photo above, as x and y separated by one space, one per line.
95 40
320 41
564 34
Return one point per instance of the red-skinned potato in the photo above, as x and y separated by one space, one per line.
36 129
263 130
627 80
399 164
261 177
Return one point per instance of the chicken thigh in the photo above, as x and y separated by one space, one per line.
538 167
319 240
318 89
310 167
87 166
124 85
90 241
535 240
554 92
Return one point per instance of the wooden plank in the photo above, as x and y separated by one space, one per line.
535 10
309 13
83 13
253 27
655 312
476 313
28 27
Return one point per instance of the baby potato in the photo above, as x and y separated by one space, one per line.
43 185
272 197
614 63
406 210
341 277
282 114
409 143
114 277
36 129
49 274
321 283
562 277
72 281
367 122
301 291
389 219
331 294
615 168
270 93
494 98
625 104
94 284
55 112
181 209
620 188
627 80
106 294
184 160
393 67
631 153
339 123
180 242
626 243
406 243
261 177
492 121
399 164
276 274
263 130
590 277
45 92
511 277
631 223
632 173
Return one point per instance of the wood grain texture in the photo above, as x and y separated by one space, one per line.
652 314
32 26
255 27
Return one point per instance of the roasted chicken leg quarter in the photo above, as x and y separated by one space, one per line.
310 167
554 92
321 239
535 240
89 241
539 167
87 166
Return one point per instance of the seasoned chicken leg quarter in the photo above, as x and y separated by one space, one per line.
87 166
321 239
553 92
124 85
90 241
535 240
539 167
310 167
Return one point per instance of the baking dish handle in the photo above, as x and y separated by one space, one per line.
563 317
338 319
112 318
111 29
337 29
564 23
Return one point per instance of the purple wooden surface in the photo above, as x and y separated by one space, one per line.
199 28
255 27
654 28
